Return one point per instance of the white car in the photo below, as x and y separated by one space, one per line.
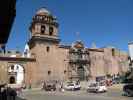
97 87
72 86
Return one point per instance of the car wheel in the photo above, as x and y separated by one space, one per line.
104 90
72 89
97 91
88 90
128 92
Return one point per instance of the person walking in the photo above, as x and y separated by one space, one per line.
4 93
44 85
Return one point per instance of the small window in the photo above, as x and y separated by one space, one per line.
64 71
42 29
51 31
113 52
47 48
37 28
49 72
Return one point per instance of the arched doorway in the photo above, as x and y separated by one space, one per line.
12 80
81 73
16 74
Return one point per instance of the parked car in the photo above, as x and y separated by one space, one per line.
116 81
72 86
97 87
109 82
49 86
128 89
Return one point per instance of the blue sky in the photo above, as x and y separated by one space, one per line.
105 22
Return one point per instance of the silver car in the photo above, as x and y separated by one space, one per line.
72 86
97 87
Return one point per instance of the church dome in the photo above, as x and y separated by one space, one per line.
43 11
78 45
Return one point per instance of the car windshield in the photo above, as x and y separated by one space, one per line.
93 85
101 84
48 85
70 84
76 83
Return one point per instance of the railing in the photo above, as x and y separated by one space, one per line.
79 59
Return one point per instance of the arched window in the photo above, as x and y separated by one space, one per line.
51 30
49 72
113 52
43 29
64 71
47 48
37 28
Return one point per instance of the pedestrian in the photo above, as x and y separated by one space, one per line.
0 92
77 81
20 92
61 87
29 85
44 85
11 93
3 93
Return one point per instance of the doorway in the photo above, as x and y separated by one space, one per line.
16 74
81 73
12 80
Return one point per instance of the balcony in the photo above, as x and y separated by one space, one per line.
79 60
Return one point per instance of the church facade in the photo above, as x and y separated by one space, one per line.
45 58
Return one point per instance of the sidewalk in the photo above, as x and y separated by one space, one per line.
32 89
116 87
84 85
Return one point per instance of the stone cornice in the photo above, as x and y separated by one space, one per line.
17 59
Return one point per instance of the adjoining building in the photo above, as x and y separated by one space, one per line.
130 47
44 58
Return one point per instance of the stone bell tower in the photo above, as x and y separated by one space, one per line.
44 44
44 26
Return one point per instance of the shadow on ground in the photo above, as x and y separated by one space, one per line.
19 98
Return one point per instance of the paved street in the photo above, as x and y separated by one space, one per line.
112 94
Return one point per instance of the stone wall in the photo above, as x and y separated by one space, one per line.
97 64
3 72
51 64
